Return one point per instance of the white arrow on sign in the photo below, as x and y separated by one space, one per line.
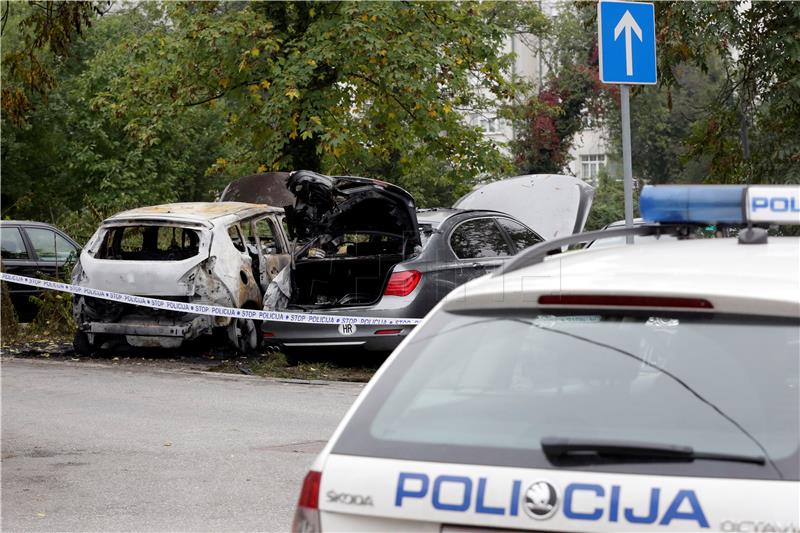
628 23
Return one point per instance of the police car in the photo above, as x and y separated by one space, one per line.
650 387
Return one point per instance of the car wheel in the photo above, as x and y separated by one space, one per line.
245 335
81 344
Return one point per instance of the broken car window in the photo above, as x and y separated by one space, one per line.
266 234
149 243
236 237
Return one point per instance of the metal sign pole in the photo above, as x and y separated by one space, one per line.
627 173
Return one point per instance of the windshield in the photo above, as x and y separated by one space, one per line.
487 389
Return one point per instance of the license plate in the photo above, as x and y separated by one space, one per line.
347 329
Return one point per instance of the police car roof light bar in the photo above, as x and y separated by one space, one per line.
721 204
716 204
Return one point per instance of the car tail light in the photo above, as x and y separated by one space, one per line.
624 301
388 332
306 517
402 283
267 334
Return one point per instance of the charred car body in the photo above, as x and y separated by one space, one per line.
223 253
369 252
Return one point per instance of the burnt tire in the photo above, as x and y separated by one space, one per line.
245 334
81 344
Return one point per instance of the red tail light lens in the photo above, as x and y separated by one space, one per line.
402 283
389 332
306 517
603 300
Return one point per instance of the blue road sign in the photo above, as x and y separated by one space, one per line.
626 38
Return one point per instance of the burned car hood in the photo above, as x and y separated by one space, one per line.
330 206
551 204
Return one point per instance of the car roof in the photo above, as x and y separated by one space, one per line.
26 223
194 212
757 279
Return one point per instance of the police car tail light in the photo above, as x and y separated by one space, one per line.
402 283
602 300
306 517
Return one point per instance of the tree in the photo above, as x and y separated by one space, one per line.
41 33
750 132
570 99
372 88
86 165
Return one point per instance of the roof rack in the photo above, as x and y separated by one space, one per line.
536 253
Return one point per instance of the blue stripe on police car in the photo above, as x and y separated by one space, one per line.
608 500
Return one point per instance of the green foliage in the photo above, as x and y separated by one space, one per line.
9 323
39 34
163 102
609 203
54 316
669 124
749 133
87 165
370 88
569 99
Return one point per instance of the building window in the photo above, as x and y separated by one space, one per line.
490 125
591 165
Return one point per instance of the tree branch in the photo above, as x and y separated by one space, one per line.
219 95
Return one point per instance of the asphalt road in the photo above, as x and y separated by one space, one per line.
88 447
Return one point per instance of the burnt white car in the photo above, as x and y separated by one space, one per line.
222 253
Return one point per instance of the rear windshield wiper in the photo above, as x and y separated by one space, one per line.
619 450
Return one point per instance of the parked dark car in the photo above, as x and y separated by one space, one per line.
33 249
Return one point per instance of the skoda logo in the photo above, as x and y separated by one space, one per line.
541 500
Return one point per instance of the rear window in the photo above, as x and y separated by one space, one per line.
149 243
488 389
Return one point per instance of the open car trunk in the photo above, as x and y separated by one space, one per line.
550 204
338 281
355 229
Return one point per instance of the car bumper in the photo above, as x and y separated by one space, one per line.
377 337
147 331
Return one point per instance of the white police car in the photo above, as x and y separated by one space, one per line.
636 388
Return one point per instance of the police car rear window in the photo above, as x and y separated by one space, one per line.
489 389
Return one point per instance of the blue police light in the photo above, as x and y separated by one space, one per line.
694 203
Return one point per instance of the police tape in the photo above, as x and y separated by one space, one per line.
207 309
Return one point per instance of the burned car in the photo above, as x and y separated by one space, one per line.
369 252
223 253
